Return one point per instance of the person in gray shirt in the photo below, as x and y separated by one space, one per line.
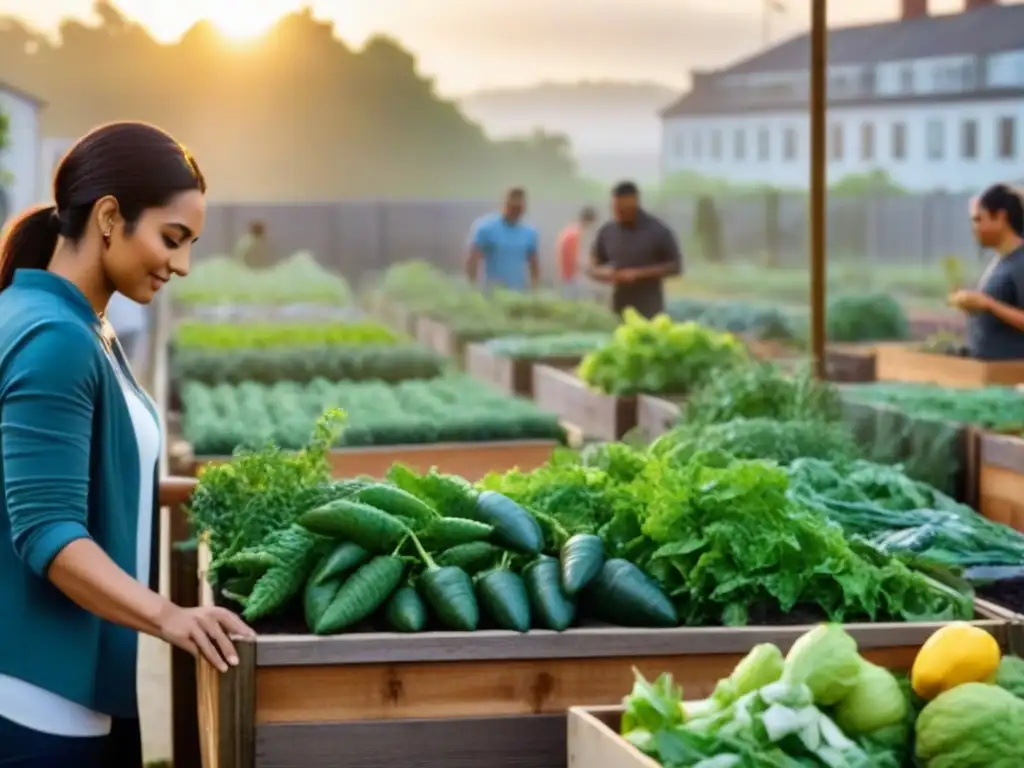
634 253
995 320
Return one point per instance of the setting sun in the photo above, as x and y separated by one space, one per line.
243 21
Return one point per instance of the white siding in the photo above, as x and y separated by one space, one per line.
21 158
919 170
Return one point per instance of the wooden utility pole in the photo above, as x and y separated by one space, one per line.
818 181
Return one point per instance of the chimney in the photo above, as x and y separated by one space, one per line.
915 9
973 5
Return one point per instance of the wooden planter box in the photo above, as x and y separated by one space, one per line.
486 699
469 460
1001 480
903 364
440 338
513 375
602 417
656 415
862 419
850 363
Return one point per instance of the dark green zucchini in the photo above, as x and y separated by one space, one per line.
397 502
551 607
362 593
339 561
514 527
317 598
448 532
405 611
623 594
449 593
581 558
503 598
472 558
371 528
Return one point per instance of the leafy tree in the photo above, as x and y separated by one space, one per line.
298 115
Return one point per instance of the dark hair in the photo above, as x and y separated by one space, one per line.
257 228
515 192
138 164
1004 198
625 189
588 213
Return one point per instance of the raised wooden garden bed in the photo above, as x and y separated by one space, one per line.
513 375
850 363
656 415
1001 479
890 436
486 699
597 416
469 460
895 363
440 338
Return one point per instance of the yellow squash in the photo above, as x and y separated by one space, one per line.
956 654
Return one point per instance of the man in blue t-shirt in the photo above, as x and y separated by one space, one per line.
506 246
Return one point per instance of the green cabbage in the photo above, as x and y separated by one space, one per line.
975 725
876 702
1010 675
761 667
826 661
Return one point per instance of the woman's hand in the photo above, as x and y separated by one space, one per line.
207 631
971 301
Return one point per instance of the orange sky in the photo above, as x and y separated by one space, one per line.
479 43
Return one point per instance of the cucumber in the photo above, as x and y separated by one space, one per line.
581 558
551 607
372 529
406 611
472 558
449 593
624 595
361 594
514 527
503 598
339 561
317 598
397 502
451 531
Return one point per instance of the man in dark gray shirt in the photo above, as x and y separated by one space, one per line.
634 253
995 323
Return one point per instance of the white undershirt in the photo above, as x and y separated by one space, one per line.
40 710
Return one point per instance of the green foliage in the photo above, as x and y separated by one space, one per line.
367 122
195 334
571 344
746 318
658 356
298 279
866 317
218 419
394 362
5 127
997 409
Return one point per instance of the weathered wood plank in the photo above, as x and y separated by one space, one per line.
577 643
537 741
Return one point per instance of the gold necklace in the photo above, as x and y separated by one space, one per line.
106 332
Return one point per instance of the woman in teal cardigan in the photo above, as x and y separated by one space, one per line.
80 441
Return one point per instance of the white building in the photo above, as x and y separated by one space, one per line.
935 101
20 161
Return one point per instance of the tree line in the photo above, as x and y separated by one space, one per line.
297 116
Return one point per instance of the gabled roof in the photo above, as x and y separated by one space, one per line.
977 32
23 95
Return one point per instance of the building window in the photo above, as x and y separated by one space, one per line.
867 81
716 145
899 141
936 140
698 145
969 139
907 79
867 142
969 76
680 146
764 145
1006 139
836 142
789 144
739 144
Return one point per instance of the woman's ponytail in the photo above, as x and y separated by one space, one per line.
29 242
